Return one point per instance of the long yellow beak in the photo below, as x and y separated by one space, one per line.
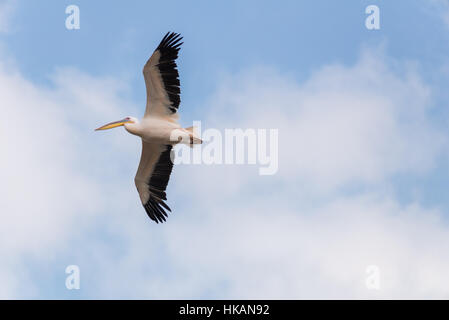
113 124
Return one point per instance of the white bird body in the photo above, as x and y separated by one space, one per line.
159 128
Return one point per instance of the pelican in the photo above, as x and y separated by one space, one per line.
159 129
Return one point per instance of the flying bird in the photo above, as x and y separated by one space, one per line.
159 129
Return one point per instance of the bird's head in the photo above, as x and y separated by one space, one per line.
115 124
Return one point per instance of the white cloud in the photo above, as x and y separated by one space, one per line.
239 235
360 124
267 249
233 234
47 193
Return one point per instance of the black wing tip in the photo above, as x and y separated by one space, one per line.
154 210
169 48
171 40
156 206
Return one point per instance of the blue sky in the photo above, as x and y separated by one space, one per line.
363 121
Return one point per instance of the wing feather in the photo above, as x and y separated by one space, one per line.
152 179
162 77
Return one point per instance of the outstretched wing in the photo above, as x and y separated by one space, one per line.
152 178
162 77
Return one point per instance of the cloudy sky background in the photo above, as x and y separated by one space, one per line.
363 151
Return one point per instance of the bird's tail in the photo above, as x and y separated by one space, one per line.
193 133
